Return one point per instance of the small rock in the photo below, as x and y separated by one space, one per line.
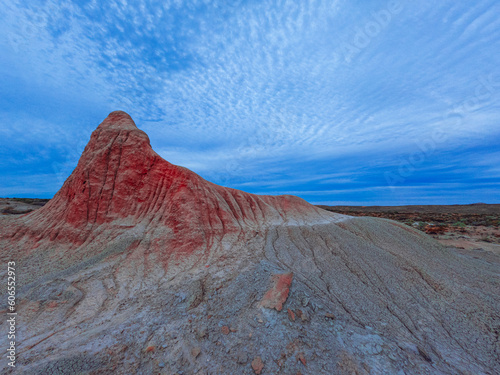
393 356
150 348
195 352
300 357
424 354
161 364
201 332
372 349
304 298
303 315
196 294
242 357
257 365
329 316
291 315
225 330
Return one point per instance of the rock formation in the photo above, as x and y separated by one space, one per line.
140 266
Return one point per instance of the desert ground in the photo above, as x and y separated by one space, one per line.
469 227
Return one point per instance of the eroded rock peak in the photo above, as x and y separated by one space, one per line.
118 120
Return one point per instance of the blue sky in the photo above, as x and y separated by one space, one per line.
338 102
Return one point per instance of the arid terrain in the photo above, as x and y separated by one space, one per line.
469 226
472 226
139 266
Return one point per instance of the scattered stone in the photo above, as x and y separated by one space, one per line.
150 348
196 293
291 315
300 357
161 364
393 356
424 354
225 330
305 300
257 365
195 352
372 349
242 357
303 315
329 316
202 332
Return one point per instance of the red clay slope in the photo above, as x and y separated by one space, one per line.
120 181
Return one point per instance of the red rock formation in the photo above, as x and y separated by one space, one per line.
120 181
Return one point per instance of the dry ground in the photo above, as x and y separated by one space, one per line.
470 227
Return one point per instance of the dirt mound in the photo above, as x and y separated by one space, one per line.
141 266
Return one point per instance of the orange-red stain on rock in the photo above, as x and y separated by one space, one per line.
300 357
291 315
150 348
278 293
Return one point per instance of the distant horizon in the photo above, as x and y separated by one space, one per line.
373 103
351 204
